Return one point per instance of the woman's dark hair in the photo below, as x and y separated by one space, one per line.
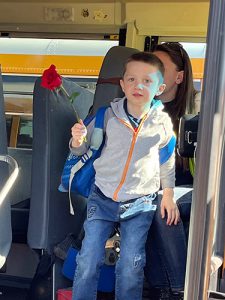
184 99
148 58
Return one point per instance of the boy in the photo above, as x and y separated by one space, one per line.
127 179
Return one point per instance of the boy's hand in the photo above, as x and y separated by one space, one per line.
79 132
169 206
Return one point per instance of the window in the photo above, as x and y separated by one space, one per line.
8 127
25 134
18 110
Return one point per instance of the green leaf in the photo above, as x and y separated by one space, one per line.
73 96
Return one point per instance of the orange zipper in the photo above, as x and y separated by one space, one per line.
135 134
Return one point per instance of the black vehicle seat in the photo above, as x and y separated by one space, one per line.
49 220
108 85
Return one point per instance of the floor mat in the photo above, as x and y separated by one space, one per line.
11 293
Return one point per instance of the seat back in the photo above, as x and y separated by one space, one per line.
49 220
108 85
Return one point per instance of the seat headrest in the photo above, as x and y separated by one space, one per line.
111 72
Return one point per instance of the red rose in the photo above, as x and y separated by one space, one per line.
51 79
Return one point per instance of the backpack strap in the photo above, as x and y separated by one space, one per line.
96 142
98 132
100 116
166 152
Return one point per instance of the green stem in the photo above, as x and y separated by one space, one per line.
66 93
76 114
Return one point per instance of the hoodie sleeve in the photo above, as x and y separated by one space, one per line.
167 173
167 169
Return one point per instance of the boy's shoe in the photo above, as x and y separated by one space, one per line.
159 294
61 249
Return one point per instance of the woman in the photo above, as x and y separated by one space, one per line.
169 243
180 96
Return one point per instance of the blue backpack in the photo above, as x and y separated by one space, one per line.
78 173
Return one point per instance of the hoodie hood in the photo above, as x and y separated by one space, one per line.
118 108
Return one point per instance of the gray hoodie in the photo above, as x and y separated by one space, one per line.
129 167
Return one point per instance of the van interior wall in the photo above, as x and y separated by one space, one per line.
165 18
159 18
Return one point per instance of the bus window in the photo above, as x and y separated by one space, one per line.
8 127
196 52
80 58
25 134
18 109
198 84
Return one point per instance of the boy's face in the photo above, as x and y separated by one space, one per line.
141 82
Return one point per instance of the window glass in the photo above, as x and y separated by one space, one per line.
32 57
25 134
196 52
8 127
18 108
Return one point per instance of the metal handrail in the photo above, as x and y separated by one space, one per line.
9 183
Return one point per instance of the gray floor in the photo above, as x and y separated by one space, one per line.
9 293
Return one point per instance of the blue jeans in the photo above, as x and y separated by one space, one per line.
102 214
166 247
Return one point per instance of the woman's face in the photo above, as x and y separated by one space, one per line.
172 77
